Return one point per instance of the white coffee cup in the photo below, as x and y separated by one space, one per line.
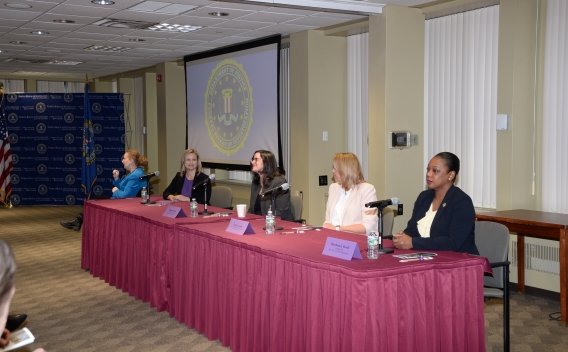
241 210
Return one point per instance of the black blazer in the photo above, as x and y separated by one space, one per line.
199 194
281 202
453 227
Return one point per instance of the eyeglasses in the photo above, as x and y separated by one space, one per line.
255 159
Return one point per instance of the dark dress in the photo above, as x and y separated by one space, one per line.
199 194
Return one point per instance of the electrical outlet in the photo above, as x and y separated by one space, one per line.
400 209
323 180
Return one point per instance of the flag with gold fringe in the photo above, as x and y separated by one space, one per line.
89 174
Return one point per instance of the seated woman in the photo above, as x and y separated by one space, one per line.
130 185
265 177
345 209
127 187
443 217
181 187
7 289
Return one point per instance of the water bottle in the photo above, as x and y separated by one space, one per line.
193 208
373 245
144 195
270 222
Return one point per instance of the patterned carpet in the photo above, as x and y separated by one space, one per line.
69 310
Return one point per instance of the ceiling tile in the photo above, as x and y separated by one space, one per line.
196 21
118 4
87 11
142 16
243 25
78 19
7 14
232 13
270 17
285 28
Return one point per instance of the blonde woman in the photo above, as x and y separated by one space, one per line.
180 189
345 208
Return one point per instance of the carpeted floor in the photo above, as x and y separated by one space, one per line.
69 310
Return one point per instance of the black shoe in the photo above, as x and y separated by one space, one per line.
75 224
15 321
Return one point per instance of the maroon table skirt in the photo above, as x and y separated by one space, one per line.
278 292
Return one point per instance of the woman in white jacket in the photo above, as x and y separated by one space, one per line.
345 208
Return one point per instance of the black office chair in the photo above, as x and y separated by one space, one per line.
222 197
492 241
296 206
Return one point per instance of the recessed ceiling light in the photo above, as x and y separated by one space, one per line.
18 42
218 14
19 6
68 63
102 2
3 51
39 32
174 28
63 21
107 48
53 50
136 40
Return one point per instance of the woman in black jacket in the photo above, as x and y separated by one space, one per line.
180 189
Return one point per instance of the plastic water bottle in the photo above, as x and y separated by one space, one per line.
373 245
144 194
270 222
193 208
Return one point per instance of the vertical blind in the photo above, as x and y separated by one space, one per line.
460 97
358 98
13 85
555 109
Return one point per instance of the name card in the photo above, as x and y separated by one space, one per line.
239 227
174 212
342 249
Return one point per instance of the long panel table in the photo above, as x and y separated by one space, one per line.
539 224
278 292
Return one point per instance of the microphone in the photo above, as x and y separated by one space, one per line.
211 177
150 175
283 187
382 203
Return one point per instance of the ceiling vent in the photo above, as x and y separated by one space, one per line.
110 22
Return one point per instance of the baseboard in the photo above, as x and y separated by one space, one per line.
537 292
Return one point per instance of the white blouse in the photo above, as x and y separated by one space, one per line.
339 208
425 223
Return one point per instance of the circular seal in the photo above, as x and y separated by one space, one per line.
123 139
41 148
68 97
69 159
98 190
40 107
98 149
15 159
12 98
41 128
121 118
15 179
228 106
69 117
96 108
14 138
99 169
70 179
12 117
42 189
15 199
97 128
42 169
69 138
70 199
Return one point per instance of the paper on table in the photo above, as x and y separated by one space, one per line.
18 339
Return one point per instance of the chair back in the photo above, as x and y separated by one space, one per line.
222 197
388 221
492 241
296 205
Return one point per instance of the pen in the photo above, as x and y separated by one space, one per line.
409 260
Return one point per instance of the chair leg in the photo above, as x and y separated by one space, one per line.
506 336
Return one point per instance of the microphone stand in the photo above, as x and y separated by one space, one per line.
381 249
273 206
205 212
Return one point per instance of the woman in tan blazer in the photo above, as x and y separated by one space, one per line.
345 208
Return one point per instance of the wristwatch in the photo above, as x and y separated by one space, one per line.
337 227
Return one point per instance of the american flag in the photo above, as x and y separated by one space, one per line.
5 159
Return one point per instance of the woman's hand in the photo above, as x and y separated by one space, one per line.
327 225
402 240
114 189
115 174
179 198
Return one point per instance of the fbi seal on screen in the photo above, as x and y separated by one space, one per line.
228 106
